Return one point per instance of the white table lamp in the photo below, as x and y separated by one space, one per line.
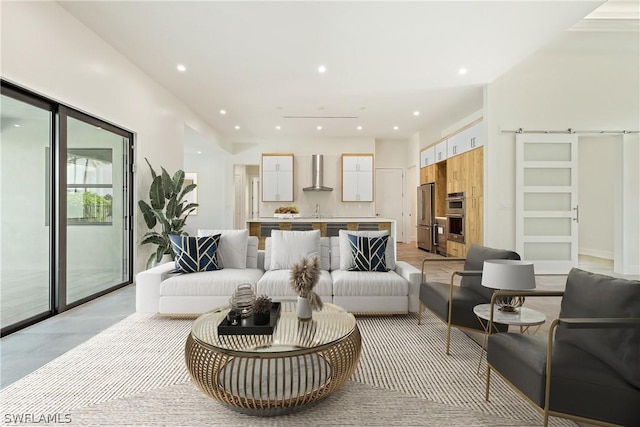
508 274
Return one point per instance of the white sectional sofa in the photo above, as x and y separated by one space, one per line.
158 290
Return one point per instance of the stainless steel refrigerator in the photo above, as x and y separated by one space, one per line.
426 217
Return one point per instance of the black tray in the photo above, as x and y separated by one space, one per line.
246 326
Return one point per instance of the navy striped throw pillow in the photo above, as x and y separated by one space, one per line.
368 253
196 253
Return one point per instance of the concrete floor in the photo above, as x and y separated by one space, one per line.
28 349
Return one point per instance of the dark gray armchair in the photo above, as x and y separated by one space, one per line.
590 372
454 304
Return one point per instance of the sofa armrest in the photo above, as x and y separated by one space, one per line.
599 322
412 275
148 287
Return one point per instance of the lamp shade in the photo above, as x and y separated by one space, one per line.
508 274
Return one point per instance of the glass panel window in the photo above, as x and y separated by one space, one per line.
97 201
25 251
90 186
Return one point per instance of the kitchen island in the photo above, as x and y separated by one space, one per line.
328 226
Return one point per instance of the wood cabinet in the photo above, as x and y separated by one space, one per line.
475 172
457 174
456 249
277 177
473 221
357 177
428 174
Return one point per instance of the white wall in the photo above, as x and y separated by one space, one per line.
215 185
589 82
596 195
332 148
47 50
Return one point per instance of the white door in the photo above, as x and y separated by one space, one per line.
390 197
411 227
547 201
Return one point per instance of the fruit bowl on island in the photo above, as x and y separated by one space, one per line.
286 212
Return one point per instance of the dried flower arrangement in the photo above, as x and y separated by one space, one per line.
304 277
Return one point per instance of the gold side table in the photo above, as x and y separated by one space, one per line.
299 364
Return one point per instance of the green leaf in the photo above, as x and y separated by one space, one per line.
186 190
150 260
171 211
188 209
156 193
156 239
147 213
167 184
153 173
178 182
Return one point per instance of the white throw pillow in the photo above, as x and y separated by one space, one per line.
232 252
289 247
346 257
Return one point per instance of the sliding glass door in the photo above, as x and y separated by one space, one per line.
65 208
97 236
25 238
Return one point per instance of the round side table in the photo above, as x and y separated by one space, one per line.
524 318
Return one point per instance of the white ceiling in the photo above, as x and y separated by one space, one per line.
385 60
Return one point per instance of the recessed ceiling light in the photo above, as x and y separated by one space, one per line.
199 152
181 68
462 71
322 69
223 112
319 127
359 128
16 125
237 127
278 127
416 113
396 128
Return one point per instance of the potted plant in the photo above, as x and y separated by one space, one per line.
168 208
304 277
262 310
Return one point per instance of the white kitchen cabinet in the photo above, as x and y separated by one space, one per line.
277 177
428 156
466 140
357 177
441 151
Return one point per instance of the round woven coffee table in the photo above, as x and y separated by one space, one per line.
299 364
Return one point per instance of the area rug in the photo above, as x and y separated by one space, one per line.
134 374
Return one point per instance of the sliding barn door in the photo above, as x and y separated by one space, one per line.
547 201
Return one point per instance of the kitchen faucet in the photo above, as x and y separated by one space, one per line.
317 210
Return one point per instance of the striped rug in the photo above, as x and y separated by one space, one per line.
134 374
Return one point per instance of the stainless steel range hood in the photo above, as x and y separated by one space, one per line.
317 174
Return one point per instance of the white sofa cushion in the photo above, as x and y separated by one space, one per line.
341 256
232 251
208 283
368 283
275 283
325 253
289 247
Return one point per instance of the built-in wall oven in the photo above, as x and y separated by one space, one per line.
455 217
455 204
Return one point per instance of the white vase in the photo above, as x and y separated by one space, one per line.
303 309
